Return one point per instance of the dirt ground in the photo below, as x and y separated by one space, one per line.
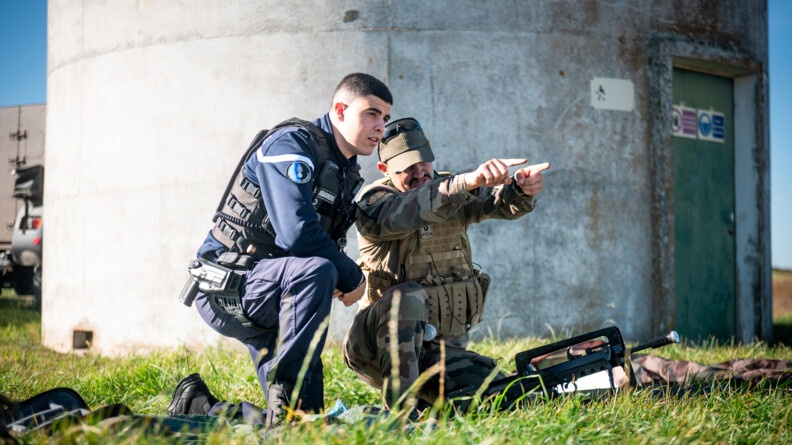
782 293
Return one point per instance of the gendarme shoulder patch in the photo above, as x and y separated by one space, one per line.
299 172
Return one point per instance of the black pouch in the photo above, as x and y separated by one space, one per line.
45 409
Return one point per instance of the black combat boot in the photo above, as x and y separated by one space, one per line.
191 396
277 402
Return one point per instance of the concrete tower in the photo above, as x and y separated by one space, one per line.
150 104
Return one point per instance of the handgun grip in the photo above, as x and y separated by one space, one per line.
189 292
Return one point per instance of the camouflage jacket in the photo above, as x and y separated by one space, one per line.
389 218
653 369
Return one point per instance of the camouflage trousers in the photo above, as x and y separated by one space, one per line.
385 346
651 369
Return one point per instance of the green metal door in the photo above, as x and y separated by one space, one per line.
704 205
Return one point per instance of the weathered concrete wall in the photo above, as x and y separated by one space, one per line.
151 103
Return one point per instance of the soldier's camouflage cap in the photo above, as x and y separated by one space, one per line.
404 144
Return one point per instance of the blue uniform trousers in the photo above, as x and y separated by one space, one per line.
287 299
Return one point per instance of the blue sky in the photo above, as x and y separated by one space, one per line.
780 29
23 80
23 52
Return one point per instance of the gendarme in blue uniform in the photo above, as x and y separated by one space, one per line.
288 295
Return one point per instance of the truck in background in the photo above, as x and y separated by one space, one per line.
22 130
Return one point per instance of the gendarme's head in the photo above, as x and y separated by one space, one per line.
405 154
359 111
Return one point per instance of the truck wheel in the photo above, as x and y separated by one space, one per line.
23 280
37 288
6 279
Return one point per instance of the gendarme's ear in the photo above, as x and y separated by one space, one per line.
339 108
383 168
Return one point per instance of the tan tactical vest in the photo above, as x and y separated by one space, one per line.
438 257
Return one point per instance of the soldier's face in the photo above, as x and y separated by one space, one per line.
361 123
414 176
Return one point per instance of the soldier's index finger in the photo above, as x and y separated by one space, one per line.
514 161
539 167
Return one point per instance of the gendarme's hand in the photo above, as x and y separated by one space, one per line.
529 179
352 296
491 173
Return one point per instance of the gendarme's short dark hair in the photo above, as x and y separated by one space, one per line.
361 85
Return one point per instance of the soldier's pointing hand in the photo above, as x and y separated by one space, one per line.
491 173
530 179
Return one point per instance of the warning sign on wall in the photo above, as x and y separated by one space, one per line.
684 124
711 126
704 125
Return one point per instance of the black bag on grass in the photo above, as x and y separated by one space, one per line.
47 408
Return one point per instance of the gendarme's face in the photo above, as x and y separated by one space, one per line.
414 176
363 125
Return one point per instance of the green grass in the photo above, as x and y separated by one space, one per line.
144 384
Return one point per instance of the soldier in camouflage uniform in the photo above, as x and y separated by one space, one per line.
415 251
